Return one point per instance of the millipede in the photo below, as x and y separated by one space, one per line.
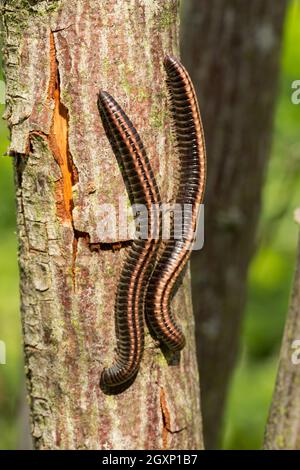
189 136
129 306
153 269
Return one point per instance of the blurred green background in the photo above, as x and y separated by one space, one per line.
272 268
270 275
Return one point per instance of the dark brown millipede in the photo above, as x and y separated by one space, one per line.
145 282
191 151
136 270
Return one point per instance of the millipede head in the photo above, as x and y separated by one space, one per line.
171 63
105 102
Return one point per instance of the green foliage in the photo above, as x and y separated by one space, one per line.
10 327
248 404
272 268
10 333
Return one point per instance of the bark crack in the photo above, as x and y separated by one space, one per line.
112 246
166 419
58 140
59 145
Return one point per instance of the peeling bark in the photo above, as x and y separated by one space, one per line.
57 56
232 49
283 428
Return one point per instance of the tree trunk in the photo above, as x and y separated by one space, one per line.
283 428
232 49
58 54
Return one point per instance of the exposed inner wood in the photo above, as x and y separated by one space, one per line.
165 417
58 140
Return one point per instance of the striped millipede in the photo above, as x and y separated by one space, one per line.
191 151
136 270
135 290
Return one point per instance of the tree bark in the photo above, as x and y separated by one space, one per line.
283 428
232 49
57 55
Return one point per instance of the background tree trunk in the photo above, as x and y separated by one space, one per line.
283 428
57 55
232 49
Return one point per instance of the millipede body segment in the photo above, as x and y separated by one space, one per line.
137 268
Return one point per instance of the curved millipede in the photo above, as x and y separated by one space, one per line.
137 268
191 151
